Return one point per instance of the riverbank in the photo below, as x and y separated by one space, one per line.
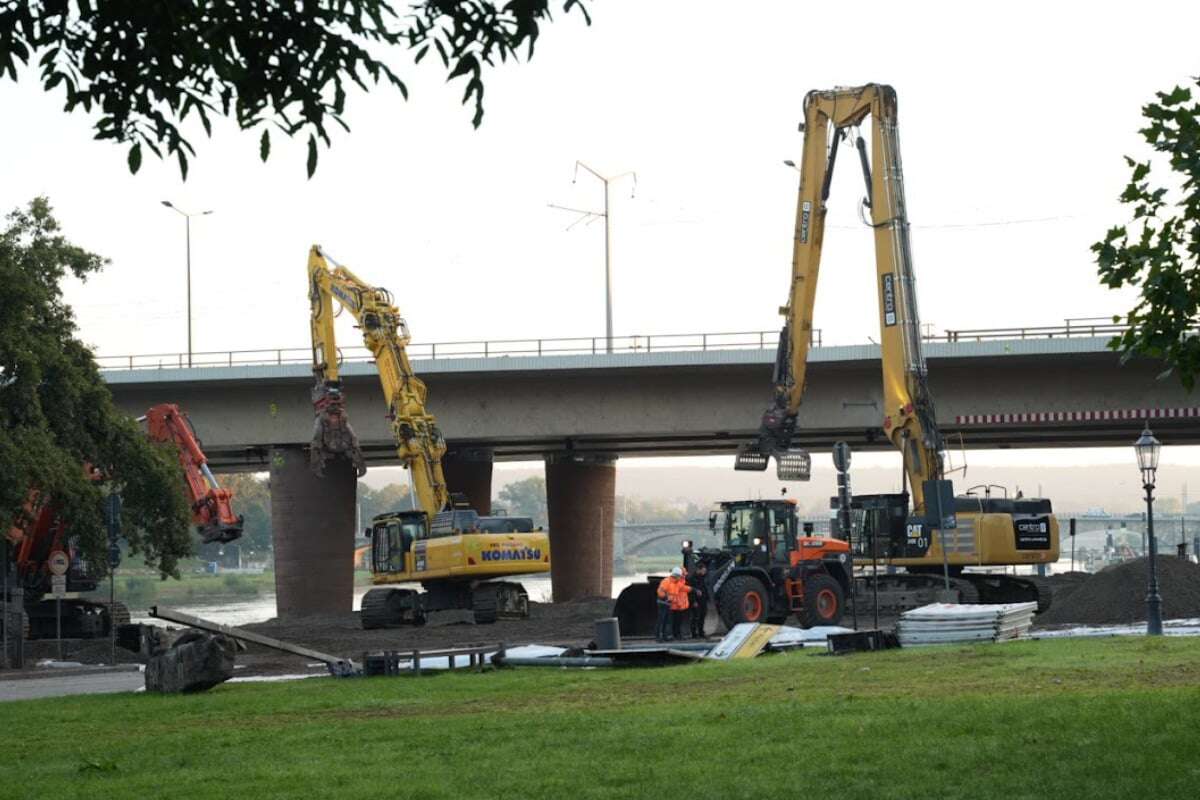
1108 718
144 589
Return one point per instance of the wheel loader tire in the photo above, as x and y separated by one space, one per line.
824 600
742 599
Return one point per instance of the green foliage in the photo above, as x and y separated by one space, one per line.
146 67
1159 250
524 498
393 497
239 584
633 509
1096 718
251 499
56 414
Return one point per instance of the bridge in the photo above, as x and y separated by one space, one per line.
579 407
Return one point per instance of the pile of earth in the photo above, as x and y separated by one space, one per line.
1117 594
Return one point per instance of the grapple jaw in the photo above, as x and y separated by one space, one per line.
750 458
332 435
793 465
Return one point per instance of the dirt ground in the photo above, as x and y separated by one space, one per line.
563 624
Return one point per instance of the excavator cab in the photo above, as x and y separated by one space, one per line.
392 538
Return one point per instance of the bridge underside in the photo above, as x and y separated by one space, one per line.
980 437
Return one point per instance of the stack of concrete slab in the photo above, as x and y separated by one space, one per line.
945 623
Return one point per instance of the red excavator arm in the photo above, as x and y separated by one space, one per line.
211 509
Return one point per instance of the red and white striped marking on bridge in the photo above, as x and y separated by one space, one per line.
1132 414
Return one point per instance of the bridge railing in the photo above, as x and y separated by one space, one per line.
579 345
493 348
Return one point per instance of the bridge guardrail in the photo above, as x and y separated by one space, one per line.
579 345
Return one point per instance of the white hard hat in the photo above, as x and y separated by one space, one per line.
677 572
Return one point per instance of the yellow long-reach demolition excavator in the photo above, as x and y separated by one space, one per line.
440 543
991 531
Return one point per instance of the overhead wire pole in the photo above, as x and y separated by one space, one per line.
188 220
592 216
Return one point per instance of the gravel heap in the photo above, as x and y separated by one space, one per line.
1117 594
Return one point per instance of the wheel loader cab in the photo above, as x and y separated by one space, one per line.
758 532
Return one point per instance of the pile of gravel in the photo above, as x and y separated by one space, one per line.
1117 594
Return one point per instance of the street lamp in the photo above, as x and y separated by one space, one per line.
188 220
1147 449
591 216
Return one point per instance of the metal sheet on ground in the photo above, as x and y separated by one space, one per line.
744 640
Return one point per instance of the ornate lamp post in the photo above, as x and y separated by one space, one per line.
1147 449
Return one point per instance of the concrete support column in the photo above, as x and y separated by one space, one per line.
312 522
581 495
470 472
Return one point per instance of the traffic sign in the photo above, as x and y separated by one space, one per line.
58 563
58 585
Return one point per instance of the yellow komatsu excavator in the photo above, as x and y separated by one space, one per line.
440 542
991 531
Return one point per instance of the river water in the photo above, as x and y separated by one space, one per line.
262 607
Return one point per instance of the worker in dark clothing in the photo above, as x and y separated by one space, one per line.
679 602
699 600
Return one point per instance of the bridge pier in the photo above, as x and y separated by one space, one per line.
470 472
312 522
581 496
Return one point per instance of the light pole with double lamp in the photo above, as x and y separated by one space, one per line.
1147 449
188 218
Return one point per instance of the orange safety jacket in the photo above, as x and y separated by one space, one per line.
675 592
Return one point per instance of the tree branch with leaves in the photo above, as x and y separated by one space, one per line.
1158 252
57 416
147 67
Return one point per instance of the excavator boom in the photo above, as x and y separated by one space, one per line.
419 442
830 117
212 511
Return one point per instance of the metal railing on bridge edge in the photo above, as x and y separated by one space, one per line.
579 345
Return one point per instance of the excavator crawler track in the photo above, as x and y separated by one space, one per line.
388 608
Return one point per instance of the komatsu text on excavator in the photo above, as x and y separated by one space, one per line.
991 532
440 543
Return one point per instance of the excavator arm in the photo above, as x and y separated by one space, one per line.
419 442
909 420
212 511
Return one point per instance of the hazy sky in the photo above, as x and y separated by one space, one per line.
1013 121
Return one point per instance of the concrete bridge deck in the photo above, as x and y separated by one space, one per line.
995 394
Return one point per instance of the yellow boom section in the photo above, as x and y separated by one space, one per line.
419 442
908 420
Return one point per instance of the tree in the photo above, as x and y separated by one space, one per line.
525 498
392 497
251 499
147 67
56 414
1159 251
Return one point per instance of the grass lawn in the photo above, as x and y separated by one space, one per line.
1059 719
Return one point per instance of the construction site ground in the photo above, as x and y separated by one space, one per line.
1115 595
